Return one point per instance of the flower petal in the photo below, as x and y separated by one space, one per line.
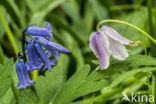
110 32
40 31
44 57
34 62
54 45
117 49
23 76
59 48
100 45
53 52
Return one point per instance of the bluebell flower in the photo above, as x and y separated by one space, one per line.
52 49
52 52
50 45
37 57
48 63
34 60
23 76
40 31
41 39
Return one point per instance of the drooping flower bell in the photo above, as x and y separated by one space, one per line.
23 76
40 31
48 63
52 48
37 57
108 42
39 48
49 45
34 60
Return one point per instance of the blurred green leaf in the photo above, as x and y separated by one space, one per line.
9 33
135 60
71 11
99 10
126 75
5 84
38 16
2 31
8 97
2 56
12 10
6 69
5 81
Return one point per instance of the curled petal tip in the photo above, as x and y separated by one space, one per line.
67 52
47 24
135 43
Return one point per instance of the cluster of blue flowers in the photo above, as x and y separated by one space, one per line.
40 46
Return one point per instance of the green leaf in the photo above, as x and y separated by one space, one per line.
71 11
126 75
28 97
76 52
2 56
5 72
78 85
46 87
6 69
66 92
12 10
38 16
99 10
134 60
2 30
90 87
5 84
8 97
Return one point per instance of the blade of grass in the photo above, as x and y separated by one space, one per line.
2 56
9 34
153 47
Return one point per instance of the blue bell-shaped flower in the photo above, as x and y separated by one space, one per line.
49 45
48 63
52 52
23 76
40 31
34 60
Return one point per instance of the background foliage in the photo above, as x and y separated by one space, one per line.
72 81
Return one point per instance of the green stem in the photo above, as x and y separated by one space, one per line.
126 23
34 74
9 34
145 47
23 48
150 23
150 15
154 85
2 56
